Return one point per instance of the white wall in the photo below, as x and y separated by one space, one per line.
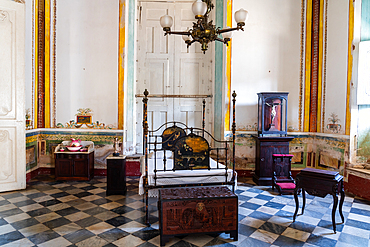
87 59
337 60
266 56
28 55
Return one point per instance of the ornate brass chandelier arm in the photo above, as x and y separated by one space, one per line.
177 33
225 41
189 42
210 6
225 30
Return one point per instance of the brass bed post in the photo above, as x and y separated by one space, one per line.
204 116
145 150
233 130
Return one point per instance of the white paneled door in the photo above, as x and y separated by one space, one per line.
12 97
165 66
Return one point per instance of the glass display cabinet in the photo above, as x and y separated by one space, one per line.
272 113
272 134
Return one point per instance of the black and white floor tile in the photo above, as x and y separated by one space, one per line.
54 213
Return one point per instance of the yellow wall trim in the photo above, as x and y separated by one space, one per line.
36 61
229 9
47 64
307 89
121 59
319 82
350 65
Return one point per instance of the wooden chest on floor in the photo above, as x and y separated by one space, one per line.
197 210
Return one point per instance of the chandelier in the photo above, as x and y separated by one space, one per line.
204 31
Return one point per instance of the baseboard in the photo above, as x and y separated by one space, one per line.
358 186
249 173
100 172
39 171
132 169
245 173
51 171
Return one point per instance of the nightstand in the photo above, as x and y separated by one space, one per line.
116 175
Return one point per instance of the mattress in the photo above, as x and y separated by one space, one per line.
182 176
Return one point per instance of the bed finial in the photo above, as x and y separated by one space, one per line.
145 149
233 128
145 113
234 95
146 93
234 125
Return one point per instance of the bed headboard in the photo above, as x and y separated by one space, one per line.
191 152
170 135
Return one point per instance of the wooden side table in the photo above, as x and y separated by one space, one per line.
116 175
320 183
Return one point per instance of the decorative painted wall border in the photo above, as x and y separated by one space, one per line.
33 66
47 78
320 67
307 77
98 137
40 64
54 63
324 64
315 65
301 77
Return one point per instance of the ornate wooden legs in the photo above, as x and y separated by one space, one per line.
341 201
335 199
296 203
335 204
304 199
234 235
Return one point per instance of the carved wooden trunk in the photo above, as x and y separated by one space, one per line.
197 210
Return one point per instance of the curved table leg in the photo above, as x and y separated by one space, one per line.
335 198
296 203
304 199
342 195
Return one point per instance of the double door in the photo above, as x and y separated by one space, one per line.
179 77
12 96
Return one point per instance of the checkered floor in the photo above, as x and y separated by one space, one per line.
50 213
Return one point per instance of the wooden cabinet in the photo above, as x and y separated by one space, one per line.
116 175
74 166
265 148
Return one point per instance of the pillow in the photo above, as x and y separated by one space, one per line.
160 154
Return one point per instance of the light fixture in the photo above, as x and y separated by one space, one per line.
204 31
